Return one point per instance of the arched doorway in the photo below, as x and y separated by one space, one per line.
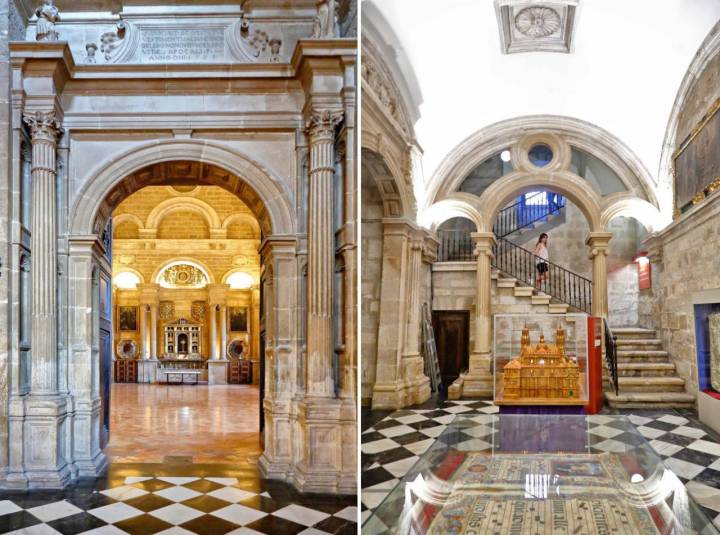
185 301
181 183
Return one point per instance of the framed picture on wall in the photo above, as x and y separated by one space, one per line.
127 318
238 319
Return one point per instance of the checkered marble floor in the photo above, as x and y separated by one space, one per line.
175 504
391 446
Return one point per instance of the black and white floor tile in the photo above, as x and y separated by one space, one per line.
175 505
393 443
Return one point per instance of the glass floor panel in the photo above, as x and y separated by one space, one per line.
539 474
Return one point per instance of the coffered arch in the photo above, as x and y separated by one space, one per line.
172 162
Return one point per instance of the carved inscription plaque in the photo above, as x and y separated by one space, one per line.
182 45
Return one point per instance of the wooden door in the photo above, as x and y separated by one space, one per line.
452 336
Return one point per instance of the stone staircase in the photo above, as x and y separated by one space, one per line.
646 377
542 303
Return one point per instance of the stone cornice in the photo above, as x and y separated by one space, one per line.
36 56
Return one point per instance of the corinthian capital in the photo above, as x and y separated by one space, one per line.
44 125
322 123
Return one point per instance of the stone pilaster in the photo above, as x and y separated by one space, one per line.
417 384
388 391
598 243
85 255
478 381
46 409
279 301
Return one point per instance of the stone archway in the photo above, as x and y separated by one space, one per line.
263 192
172 163
392 366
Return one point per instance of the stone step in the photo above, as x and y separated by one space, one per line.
503 282
633 333
651 384
639 345
646 355
558 308
649 400
645 369
540 299
524 291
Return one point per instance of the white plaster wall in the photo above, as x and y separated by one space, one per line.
623 75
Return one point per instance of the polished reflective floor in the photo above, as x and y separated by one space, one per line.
198 423
183 460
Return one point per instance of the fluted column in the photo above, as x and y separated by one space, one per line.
44 130
321 254
144 349
478 382
598 243
213 332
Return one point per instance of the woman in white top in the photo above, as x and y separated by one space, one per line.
542 257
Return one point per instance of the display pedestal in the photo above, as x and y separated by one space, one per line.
217 372
541 409
709 410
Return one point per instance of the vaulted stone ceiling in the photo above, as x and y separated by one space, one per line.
625 69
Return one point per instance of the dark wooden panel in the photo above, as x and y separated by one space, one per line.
697 162
126 371
452 336
240 372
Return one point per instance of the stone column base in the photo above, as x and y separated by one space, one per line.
217 372
90 461
321 468
476 385
478 382
147 371
44 432
276 460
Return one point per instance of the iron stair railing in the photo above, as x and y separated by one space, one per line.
561 284
527 212
611 356
455 246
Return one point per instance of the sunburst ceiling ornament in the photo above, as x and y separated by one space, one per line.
182 275
537 21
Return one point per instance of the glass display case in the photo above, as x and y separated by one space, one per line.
520 473
540 360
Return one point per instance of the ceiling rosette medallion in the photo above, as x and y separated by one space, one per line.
536 26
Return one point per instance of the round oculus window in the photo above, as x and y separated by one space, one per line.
540 155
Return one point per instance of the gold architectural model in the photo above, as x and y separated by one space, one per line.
541 371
